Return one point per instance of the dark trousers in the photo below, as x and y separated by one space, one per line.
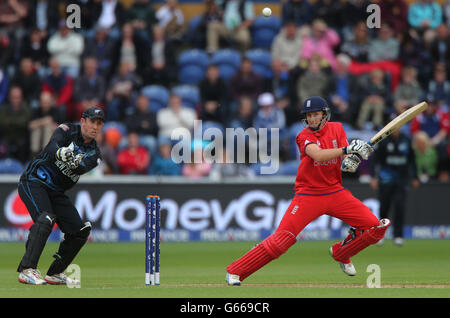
41 200
393 195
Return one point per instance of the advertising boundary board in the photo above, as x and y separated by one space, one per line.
213 211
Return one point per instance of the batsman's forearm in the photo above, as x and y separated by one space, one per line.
328 154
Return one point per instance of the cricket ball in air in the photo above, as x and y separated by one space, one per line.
267 12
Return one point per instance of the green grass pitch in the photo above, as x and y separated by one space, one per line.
419 269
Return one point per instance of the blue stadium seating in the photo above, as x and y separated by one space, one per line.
11 166
158 95
264 30
192 66
262 62
190 95
228 61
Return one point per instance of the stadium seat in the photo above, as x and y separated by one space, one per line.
228 61
192 66
190 95
11 166
262 62
264 30
158 95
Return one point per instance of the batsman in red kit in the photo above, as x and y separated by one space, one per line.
324 152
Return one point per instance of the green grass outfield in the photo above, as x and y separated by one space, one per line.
197 270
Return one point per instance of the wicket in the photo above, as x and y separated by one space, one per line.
152 239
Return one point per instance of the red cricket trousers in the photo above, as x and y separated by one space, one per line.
305 208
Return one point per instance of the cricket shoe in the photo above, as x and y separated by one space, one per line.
347 268
61 279
31 276
233 280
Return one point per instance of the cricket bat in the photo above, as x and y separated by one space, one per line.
398 122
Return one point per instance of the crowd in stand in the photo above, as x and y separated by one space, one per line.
50 73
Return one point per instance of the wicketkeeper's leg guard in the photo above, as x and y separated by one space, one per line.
357 240
37 238
271 248
68 249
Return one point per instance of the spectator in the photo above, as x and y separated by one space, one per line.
142 17
109 14
237 19
278 84
426 157
67 47
300 11
135 158
43 15
245 82
226 167
162 69
446 12
4 86
408 92
424 14
322 41
440 46
171 18
60 86
287 45
394 12
7 47
109 155
376 96
357 47
30 83
103 47
244 115
385 46
44 120
313 82
14 118
414 53
439 87
268 116
354 11
175 116
13 14
162 164
89 88
34 47
212 13
196 170
436 124
131 49
344 86
143 121
213 95
121 92
330 11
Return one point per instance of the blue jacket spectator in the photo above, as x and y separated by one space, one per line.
162 164
425 14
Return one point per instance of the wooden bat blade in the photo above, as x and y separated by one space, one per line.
398 121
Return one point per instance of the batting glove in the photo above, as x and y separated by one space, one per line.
65 153
75 162
350 163
359 147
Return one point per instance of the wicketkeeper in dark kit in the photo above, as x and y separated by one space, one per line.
71 152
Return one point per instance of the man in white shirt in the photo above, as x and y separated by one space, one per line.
67 47
175 116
